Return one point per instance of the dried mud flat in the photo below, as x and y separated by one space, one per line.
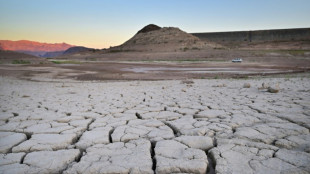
199 126
140 70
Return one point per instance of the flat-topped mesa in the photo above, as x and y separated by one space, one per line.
166 39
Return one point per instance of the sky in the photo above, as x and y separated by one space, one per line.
105 23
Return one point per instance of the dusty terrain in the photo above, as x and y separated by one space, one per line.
199 126
10 57
89 71
159 69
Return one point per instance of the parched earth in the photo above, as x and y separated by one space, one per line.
199 126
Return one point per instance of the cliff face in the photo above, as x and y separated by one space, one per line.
280 39
299 34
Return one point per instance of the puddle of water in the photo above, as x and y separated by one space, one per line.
233 72
202 70
148 69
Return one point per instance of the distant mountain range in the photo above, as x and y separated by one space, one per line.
35 48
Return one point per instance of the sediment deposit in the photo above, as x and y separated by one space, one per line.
193 126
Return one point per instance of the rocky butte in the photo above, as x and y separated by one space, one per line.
154 38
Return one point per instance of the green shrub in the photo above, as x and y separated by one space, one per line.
66 62
195 48
92 59
20 62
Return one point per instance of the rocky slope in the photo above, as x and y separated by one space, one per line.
155 38
18 58
53 54
77 49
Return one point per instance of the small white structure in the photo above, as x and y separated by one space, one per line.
237 60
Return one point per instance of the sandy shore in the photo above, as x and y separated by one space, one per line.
171 126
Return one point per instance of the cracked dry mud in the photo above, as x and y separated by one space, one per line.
209 126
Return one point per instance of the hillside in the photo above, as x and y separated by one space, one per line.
69 51
155 38
76 49
53 54
18 58
33 48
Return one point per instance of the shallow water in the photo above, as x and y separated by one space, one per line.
203 70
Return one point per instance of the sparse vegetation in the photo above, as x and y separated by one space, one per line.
115 51
20 62
66 62
187 82
242 77
219 48
120 50
91 59
297 52
185 49
291 52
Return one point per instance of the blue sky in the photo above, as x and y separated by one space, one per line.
104 23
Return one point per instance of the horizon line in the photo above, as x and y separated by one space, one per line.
63 42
